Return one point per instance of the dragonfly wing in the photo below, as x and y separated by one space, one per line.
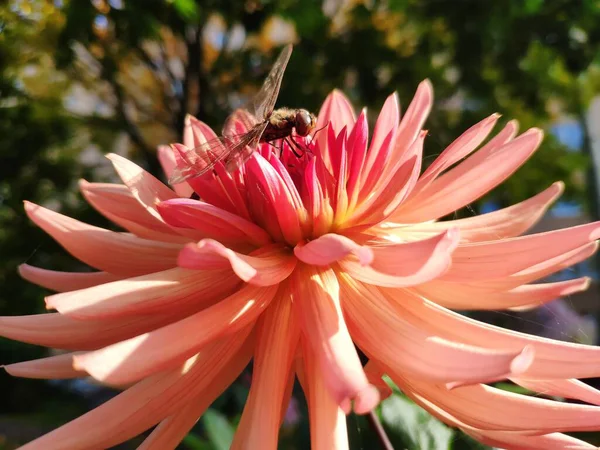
264 101
238 158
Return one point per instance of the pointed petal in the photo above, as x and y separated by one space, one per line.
407 264
327 420
51 368
277 337
267 266
469 180
64 281
156 293
148 402
196 132
148 353
167 161
338 112
398 341
553 359
315 296
331 247
572 388
117 253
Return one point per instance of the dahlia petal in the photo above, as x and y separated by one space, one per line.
196 132
315 296
572 388
271 265
357 152
327 420
553 359
167 161
64 281
147 189
331 247
374 375
412 122
463 146
277 336
400 343
212 221
116 253
406 264
174 289
462 296
469 180
115 202
503 223
500 258
149 401
50 368
336 111
170 432
135 358
511 412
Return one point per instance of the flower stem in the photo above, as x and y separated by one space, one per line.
375 423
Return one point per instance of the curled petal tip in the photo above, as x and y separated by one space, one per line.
366 400
523 360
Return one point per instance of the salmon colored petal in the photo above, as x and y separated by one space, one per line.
327 420
147 402
406 264
572 388
315 296
511 412
553 359
271 265
116 203
58 331
469 180
212 221
156 293
277 336
64 281
170 432
117 253
329 248
374 375
462 296
135 358
397 340
167 161
53 367
463 146
500 258
503 223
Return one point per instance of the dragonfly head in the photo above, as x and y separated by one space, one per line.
305 122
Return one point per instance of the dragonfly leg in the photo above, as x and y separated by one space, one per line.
294 146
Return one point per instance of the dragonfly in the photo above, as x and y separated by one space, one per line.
260 122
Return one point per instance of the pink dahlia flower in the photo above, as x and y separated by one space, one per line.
292 261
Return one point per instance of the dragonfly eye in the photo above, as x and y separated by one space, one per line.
304 122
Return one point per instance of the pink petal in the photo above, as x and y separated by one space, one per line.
270 265
117 253
407 264
135 358
149 401
375 376
167 161
329 248
572 388
315 296
115 202
156 293
64 281
468 297
212 222
469 180
398 341
51 368
504 223
327 420
196 132
277 336
500 258
338 112
357 151
553 359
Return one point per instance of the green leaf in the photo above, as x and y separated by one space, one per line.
187 9
218 429
414 426
194 442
